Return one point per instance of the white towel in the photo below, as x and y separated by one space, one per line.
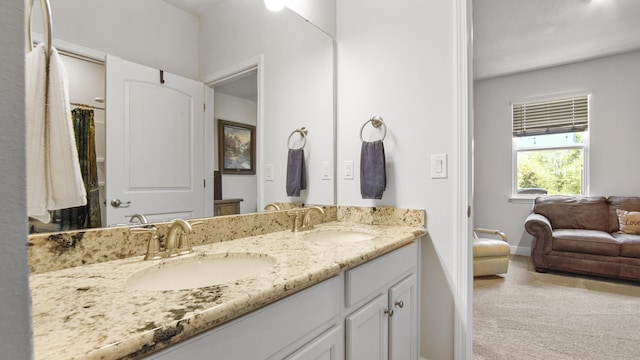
54 180
35 97
66 185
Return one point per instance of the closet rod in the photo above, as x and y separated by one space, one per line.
86 106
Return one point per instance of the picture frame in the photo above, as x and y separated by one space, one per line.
236 148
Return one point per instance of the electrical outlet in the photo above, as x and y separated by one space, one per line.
348 170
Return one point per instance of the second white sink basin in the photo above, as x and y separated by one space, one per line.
339 236
199 271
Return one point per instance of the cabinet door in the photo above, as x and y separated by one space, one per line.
403 325
367 331
329 346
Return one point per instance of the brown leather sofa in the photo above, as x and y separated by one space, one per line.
581 235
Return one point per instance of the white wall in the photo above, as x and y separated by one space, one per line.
614 125
231 108
398 60
297 89
148 32
321 13
15 299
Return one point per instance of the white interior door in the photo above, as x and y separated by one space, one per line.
155 144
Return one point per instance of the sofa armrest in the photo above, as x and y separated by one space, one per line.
499 233
540 227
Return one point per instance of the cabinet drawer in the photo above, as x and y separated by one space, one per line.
368 278
260 334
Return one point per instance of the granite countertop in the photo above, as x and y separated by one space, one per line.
88 312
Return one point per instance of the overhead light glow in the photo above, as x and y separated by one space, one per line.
274 5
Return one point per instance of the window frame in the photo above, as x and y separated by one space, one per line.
585 146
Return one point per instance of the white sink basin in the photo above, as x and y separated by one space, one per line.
200 271
339 236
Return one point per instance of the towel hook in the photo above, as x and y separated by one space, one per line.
46 18
303 133
376 122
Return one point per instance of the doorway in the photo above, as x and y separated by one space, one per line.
235 100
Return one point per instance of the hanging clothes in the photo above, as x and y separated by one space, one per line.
87 216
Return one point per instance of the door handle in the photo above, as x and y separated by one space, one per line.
116 203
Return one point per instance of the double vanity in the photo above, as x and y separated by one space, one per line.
251 289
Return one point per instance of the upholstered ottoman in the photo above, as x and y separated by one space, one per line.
490 256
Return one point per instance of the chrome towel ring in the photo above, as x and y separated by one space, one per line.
376 122
303 134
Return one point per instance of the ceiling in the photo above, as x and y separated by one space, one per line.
512 36
518 35
244 87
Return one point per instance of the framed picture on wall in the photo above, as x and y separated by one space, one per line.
236 148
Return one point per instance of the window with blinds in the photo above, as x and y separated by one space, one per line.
551 116
550 147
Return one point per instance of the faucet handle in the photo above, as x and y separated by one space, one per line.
153 245
196 223
295 215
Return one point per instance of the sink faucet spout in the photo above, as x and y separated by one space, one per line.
306 219
172 236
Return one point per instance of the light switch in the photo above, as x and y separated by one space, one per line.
438 166
268 172
326 170
348 169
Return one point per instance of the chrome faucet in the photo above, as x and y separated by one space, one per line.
302 218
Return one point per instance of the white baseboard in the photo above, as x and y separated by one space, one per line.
519 250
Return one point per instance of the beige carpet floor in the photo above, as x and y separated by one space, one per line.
552 316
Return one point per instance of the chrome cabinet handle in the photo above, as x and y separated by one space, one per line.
118 203
388 311
400 304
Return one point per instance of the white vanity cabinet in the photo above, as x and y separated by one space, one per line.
384 297
365 313
303 324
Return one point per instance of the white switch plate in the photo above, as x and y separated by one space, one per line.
348 170
438 166
268 172
326 170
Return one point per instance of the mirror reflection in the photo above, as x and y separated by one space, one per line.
277 66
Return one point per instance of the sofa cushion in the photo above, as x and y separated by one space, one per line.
585 241
574 212
629 221
629 203
629 244
490 247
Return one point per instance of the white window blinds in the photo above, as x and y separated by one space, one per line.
551 116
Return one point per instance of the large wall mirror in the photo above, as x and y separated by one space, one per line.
278 67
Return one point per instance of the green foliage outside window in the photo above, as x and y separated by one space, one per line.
557 171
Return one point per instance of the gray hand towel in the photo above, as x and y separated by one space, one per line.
296 173
373 173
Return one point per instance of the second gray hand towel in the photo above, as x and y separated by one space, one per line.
296 172
373 173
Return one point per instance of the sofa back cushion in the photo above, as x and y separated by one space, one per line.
628 203
574 212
